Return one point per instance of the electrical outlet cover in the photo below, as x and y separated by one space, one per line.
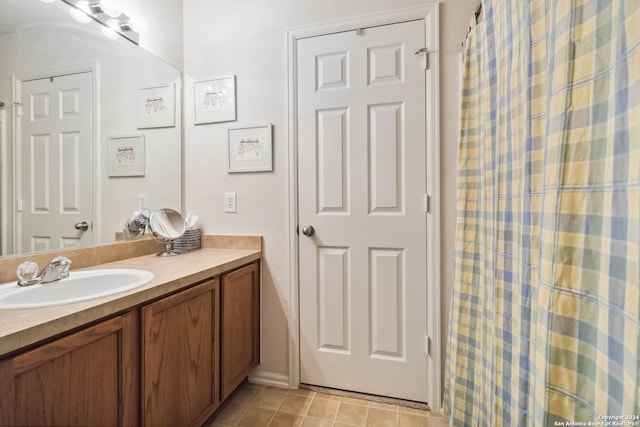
230 202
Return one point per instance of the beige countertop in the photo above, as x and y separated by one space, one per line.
21 328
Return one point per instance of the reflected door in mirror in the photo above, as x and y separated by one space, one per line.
56 148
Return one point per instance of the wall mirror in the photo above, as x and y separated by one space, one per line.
90 129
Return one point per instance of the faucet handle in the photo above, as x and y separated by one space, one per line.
28 273
64 263
61 260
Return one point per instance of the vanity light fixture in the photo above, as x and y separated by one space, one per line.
102 11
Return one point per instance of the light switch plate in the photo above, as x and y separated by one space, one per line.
230 199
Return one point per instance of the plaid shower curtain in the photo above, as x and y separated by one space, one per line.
545 318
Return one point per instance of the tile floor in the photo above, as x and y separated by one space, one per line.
259 406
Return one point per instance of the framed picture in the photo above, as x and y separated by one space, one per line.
127 156
215 100
250 149
156 107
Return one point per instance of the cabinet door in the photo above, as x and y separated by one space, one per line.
179 357
87 378
240 325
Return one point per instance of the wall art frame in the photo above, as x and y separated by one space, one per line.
250 149
156 107
127 156
215 100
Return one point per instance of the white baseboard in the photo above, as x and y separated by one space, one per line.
269 378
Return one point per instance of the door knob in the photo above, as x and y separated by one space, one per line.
83 226
308 230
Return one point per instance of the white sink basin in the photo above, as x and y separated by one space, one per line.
79 286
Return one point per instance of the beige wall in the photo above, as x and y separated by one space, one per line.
248 38
455 16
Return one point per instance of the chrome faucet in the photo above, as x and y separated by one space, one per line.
57 269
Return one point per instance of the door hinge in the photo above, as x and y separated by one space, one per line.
427 203
425 52
427 345
18 106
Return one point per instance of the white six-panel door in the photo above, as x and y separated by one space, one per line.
362 185
56 162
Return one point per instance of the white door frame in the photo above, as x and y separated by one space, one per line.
430 15
95 147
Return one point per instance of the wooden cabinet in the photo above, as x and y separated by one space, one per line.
171 362
87 378
240 322
198 346
180 357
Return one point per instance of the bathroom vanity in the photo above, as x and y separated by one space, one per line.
167 353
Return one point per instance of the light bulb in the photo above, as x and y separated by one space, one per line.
113 24
110 8
138 24
47 1
84 6
109 32
81 12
